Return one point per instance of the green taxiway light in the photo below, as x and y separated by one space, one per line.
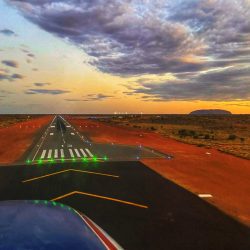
40 161
105 158
61 205
36 201
74 159
28 161
54 203
94 158
46 202
62 160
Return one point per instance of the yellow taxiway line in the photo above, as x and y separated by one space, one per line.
100 197
67 170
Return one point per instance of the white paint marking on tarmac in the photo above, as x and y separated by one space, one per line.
90 154
49 154
62 153
51 133
56 153
44 137
205 195
71 153
68 126
43 154
53 126
73 133
83 153
77 152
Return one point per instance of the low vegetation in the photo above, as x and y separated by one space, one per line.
227 133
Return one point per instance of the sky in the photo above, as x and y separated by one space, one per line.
133 56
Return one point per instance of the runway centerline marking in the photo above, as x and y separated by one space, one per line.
68 170
100 197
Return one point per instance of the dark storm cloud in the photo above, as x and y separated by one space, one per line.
10 63
41 84
7 32
209 86
46 91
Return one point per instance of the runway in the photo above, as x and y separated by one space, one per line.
62 142
133 204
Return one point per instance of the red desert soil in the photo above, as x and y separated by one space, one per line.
15 139
200 170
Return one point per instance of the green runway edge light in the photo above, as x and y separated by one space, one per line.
73 159
40 161
94 158
28 161
105 158
62 160
84 159
51 160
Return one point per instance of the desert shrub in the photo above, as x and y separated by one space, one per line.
242 139
153 128
192 132
207 136
183 132
232 137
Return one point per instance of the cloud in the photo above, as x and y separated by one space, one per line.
8 32
203 43
140 37
96 97
10 77
10 63
16 76
210 86
46 91
90 98
41 84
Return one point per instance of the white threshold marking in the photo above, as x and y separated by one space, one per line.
68 126
71 152
56 153
73 133
205 195
90 154
49 154
83 153
43 153
62 153
53 126
43 138
51 133
77 153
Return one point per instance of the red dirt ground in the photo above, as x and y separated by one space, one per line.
15 139
224 176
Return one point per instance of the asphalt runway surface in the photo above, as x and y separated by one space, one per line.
136 206
63 142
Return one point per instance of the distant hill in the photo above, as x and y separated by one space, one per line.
210 112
